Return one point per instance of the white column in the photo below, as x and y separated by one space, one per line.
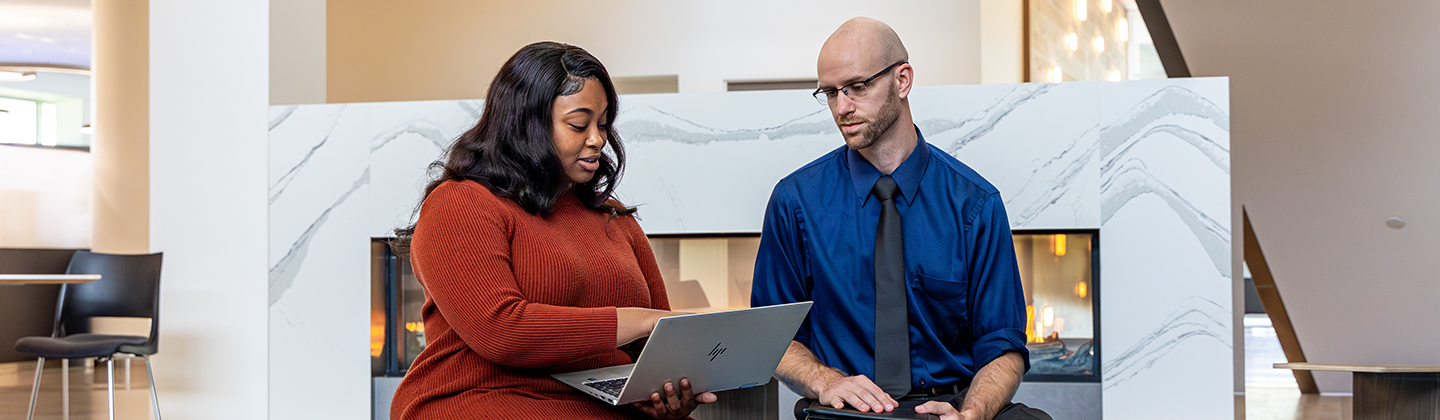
209 92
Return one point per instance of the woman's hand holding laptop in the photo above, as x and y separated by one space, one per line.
671 405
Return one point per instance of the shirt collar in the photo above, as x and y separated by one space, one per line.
907 176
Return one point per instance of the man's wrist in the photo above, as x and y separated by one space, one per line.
822 380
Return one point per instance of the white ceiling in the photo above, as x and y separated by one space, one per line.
46 32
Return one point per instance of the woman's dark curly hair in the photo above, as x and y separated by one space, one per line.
511 150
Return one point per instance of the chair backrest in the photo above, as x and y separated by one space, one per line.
129 286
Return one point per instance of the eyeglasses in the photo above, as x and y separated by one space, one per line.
857 90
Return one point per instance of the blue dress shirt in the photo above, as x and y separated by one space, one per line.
966 304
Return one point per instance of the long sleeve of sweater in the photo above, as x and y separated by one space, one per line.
462 252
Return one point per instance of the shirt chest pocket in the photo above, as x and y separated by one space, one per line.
944 299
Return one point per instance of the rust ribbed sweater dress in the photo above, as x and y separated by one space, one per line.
513 297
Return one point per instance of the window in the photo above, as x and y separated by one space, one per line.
28 122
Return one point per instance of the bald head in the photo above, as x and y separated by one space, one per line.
860 44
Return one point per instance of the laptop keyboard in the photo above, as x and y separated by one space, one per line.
612 386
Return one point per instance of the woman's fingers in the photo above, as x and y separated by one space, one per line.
672 398
675 401
658 405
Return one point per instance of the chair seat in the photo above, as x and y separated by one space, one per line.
77 346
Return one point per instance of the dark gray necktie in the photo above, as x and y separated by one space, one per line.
892 325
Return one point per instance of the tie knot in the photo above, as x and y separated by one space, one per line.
885 189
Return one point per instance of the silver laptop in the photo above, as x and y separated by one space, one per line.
716 351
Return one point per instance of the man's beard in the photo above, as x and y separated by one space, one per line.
874 128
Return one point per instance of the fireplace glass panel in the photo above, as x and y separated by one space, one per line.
1058 271
397 331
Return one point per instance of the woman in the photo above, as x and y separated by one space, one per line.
529 267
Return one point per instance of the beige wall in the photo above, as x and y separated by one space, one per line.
1334 106
382 50
1002 27
121 144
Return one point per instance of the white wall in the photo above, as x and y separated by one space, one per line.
1335 104
208 93
381 50
45 198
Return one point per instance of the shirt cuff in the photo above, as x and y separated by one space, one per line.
995 343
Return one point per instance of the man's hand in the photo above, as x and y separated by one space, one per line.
858 391
804 373
674 405
944 410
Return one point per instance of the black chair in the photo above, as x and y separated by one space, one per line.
129 286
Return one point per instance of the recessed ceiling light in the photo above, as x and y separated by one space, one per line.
16 76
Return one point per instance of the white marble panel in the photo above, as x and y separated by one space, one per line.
406 137
1166 249
1147 162
707 163
1031 141
319 275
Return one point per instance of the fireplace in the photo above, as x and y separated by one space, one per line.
397 332
1059 271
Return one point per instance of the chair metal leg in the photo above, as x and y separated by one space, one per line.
154 400
35 392
110 379
65 389
127 371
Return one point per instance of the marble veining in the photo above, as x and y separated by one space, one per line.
1196 318
635 129
990 117
1131 180
281 113
282 274
278 187
435 133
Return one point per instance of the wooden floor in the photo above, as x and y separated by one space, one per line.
1289 404
88 400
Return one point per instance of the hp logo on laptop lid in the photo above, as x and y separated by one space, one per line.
716 352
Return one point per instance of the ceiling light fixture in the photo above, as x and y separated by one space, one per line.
1072 41
1099 44
1107 5
1122 30
1055 75
1080 7
16 76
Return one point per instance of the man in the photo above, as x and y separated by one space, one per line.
905 251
